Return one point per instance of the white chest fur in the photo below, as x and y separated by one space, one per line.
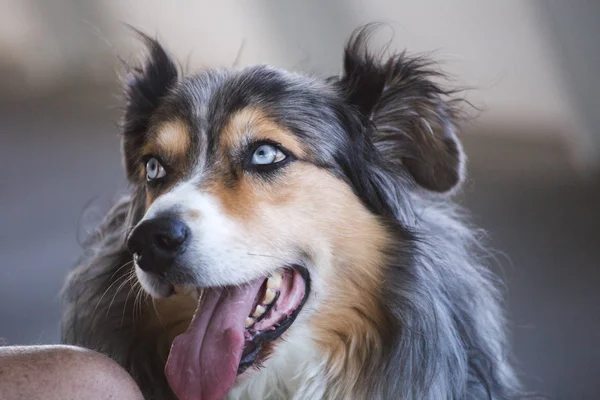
295 371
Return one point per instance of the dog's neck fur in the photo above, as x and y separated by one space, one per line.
301 369
367 364
296 371
305 367
328 351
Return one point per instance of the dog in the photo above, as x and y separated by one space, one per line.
292 237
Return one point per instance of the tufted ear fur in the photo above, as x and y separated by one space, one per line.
144 89
413 119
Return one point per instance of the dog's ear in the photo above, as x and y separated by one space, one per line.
144 87
413 121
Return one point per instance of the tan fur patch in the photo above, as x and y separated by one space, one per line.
253 124
348 328
171 139
150 197
193 214
350 320
171 142
247 194
167 318
311 209
244 200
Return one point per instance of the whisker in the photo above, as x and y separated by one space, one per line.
120 268
104 294
127 299
201 296
128 280
269 256
137 302
143 297
160 320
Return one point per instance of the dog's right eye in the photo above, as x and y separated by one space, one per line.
265 156
154 170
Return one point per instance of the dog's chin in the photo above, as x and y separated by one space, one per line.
233 331
155 286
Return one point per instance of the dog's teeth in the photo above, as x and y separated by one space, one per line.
269 296
274 281
249 322
260 310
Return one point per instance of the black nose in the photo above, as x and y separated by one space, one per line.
157 242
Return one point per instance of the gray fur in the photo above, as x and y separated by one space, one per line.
386 129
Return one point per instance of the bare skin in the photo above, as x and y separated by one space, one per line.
62 373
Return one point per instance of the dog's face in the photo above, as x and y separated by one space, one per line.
269 192
250 195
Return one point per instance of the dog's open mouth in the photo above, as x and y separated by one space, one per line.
229 329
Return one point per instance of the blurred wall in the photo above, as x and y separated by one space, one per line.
498 47
533 63
574 30
45 45
503 49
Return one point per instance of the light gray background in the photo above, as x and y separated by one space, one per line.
59 156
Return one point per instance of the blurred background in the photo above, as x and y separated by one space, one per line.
534 149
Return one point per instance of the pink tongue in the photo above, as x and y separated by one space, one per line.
203 361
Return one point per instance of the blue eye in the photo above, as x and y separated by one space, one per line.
154 170
267 154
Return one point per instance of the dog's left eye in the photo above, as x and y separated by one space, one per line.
267 154
154 170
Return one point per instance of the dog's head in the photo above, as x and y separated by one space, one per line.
272 194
